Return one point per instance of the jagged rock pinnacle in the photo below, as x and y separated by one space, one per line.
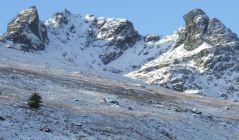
25 25
196 26
199 28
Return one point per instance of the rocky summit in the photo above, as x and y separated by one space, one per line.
200 28
27 30
120 33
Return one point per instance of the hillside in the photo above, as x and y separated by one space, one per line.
99 78
81 106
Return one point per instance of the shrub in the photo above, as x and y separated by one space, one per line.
34 100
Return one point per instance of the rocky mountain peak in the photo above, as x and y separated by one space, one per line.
199 28
194 16
204 59
196 26
119 33
28 16
27 30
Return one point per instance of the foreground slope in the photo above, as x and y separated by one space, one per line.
76 64
77 106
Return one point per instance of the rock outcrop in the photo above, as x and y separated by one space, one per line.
26 30
151 38
219 35
119 33
196 26
200 28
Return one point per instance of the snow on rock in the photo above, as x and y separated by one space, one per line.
203 60
200 28
199 58
27 30
120 35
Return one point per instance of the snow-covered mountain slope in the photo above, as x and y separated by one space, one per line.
81 106
85 67
199 58
204 60
92 42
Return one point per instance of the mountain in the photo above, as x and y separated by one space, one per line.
99 78
200 57
204 59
